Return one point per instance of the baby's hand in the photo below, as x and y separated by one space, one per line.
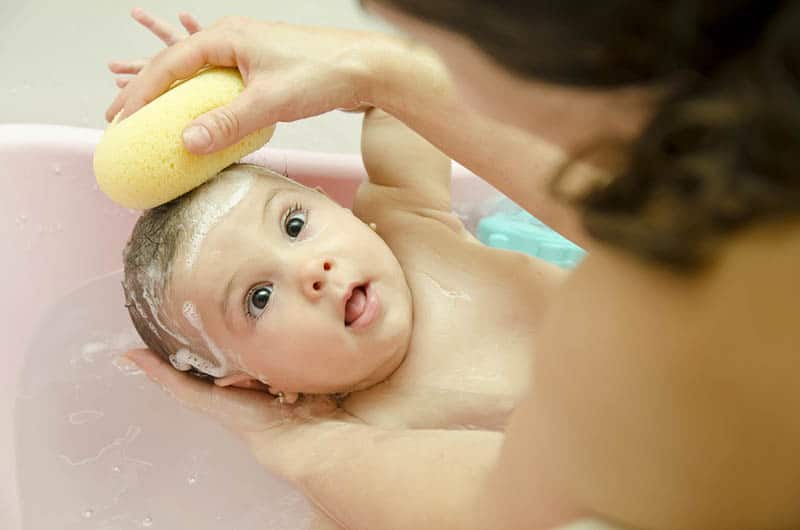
168 34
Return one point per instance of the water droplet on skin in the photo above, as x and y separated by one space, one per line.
57 169
147 522
115 469
192 479
87 514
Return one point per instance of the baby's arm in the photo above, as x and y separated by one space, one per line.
405 170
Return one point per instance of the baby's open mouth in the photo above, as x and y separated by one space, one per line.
356 304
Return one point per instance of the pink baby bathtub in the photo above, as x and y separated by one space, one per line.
86 441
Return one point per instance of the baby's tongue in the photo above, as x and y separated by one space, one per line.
355 306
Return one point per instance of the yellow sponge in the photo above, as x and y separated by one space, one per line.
141 162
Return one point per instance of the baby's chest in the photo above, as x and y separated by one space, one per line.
468 362
476 315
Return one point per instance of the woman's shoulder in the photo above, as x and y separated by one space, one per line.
696 368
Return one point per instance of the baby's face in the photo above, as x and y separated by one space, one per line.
290 288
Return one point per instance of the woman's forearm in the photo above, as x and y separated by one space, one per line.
412 84
375 479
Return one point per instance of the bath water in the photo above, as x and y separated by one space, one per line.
101 447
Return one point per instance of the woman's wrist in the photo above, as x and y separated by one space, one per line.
364 67
389 72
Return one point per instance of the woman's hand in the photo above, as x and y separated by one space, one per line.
352 470
258 417
290 72
165 31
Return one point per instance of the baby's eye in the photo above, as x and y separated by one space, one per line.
257 300
295 221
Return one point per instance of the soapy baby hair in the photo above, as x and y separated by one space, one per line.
148 257
160 234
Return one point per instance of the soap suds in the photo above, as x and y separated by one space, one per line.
207 210
185 360
153 297
221 369
461 295
153 284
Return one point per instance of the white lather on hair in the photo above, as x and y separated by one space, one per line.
221 368
206 213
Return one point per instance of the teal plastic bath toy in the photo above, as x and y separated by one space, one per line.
512 228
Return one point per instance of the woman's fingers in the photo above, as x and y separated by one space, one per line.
298 71
249 413
189 23
188 390
227 125
171 64
243 411
127 67
165 31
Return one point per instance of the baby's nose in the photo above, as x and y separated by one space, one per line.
314 277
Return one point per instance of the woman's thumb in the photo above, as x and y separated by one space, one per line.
225 126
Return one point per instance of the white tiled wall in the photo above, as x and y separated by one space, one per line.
53 56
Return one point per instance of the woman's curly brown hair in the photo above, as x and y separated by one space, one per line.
721 151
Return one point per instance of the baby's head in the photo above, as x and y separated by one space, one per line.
255 277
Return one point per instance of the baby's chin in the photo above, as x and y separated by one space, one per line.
385 370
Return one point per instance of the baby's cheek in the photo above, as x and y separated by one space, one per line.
255 367
315 228
236 359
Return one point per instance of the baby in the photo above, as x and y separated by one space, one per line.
394 309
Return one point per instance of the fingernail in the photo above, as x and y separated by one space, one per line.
130 357
197 138
126 365
125 360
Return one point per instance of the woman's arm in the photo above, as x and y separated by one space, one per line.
364 477
374 479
